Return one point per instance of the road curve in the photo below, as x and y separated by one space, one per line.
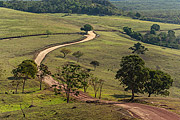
91 35
140 111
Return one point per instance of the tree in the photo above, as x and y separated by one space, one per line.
17 79
85 78
101 82
27 69
132 74
70 75
43 71
158 83
77 54
153 31
138 15
95 85
127 30
86 28
156 27
171 36
95 64
138 48
65 52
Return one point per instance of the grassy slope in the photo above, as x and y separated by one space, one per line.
66 112
110 47
14 51
14 23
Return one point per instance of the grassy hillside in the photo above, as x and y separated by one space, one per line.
111 46
72 111
16 23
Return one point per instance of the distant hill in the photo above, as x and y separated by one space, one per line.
152 10
93 7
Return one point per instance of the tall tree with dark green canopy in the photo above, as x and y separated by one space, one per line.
95 64
156 27
138 48
133 74
158 83
26 70
86 28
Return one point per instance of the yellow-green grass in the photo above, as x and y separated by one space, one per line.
108 49
73 111
17 23
116 22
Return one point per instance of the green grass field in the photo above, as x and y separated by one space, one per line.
108 49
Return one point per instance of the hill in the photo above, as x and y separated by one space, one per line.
94 7
153 10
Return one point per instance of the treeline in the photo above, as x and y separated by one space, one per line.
165 39
94 7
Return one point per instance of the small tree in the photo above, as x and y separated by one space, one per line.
85 78
138 48
95 85
101 83
71 78
95 64
27 69
138 15
65 52
17 79
155 27
86 28
48 33
158 83
43 71
132 74
77 54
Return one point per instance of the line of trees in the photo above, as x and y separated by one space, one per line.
152 37
94 7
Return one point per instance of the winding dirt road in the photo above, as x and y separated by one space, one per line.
140 111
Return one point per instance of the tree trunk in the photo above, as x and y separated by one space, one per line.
17 87
40 84
132 97
24 81
85 89
68 92
95 94
149 95
100 92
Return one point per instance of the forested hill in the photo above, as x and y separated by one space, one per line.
94 7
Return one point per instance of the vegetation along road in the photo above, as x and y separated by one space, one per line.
140 111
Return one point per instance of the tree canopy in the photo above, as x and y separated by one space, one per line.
158 83
156 27
133 73
87 27
138 48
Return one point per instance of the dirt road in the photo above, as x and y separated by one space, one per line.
141 111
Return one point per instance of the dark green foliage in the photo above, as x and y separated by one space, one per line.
158 83
156 27
163 39
87 27
43 71
138 15
153 31
138 48
132 74
72 77
95 7
95 64
153 10
27 69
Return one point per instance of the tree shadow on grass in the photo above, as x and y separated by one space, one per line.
122 96
59 56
